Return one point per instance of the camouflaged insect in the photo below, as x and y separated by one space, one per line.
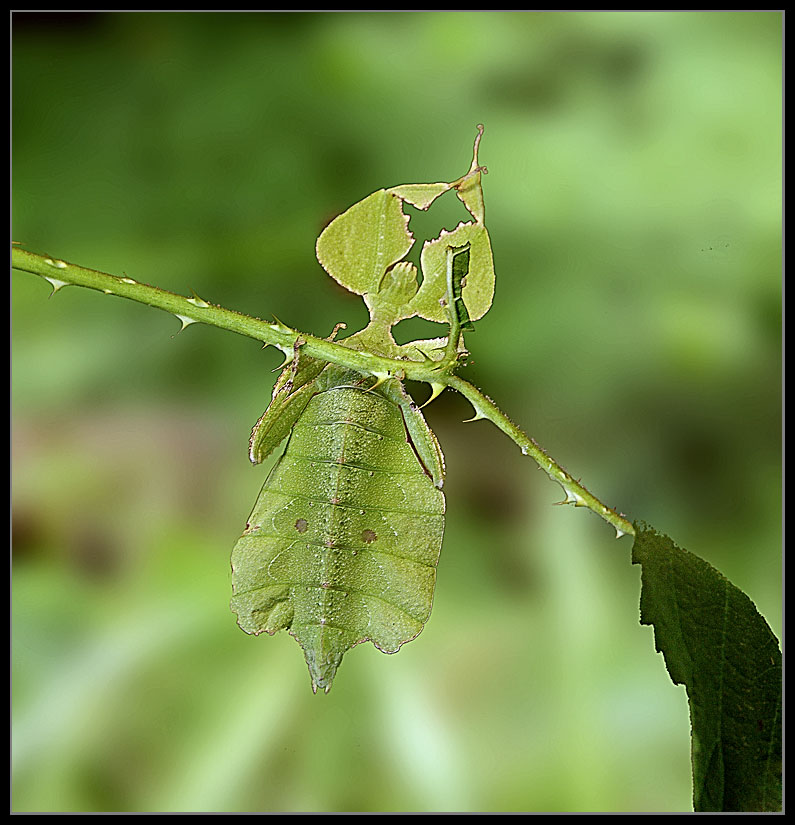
343 541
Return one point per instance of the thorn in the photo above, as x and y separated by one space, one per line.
186 322
280 326
436 391
55 283
288 357
380 378
197 301
619 533
574 498
477 417
571 498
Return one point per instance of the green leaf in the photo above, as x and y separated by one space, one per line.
343 542
720 648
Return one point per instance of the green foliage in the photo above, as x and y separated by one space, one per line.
719 647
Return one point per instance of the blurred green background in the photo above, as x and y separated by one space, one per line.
634 205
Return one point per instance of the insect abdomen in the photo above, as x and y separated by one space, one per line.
343 542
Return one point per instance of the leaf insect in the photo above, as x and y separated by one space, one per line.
343 542
344 539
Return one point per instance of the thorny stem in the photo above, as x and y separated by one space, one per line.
576 493
195 310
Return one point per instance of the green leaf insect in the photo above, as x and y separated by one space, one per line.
344 539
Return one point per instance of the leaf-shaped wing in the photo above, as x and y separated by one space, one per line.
343 542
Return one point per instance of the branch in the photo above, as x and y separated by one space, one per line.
438 374
196 310
576 493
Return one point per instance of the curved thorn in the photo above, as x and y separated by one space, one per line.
197 301
380 378
288 357
436 391
55 283
185 321
478 416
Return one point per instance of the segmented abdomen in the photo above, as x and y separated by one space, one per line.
343 542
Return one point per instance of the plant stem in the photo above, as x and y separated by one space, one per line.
195 310
576 493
